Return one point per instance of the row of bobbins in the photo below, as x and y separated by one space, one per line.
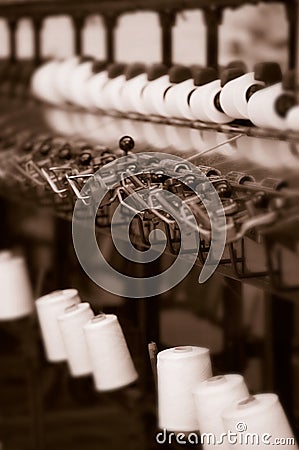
190 399
263 96
91 345
161 136
70 332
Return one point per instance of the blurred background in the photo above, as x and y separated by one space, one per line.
251 33
41 407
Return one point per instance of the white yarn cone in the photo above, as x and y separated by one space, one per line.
211 398
49 308
180 369
261 108
260 418
111 361
71 324
16 299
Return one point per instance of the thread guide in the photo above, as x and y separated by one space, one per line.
237 256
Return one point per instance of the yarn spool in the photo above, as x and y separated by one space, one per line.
71 326
211 398
49 308
111 361
180 369
263 420
16 293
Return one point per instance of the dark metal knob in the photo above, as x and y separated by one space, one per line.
65 152
126 143
85 158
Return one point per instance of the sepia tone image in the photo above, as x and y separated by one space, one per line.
149 224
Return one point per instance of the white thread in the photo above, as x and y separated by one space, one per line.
131 92
261 108
152 96
42 85
78 83
227 99
16 299
64 71
233 98
202 104
262 414
71 327
197 106
180 369
211 398
111 361
49 307
136 97
111 92
176 99
94 87
241 88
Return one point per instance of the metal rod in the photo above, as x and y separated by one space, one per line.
110 24
227 141
167 21
282 333
233 329
293 17
152 350
79 22
37 24
13 23
212 19
292 10
283 192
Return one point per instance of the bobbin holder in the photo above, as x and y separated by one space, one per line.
52 170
